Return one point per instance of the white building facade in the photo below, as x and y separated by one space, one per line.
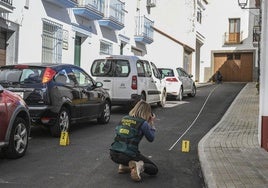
79 31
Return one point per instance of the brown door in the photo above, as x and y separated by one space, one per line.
234 67
234 30
2 48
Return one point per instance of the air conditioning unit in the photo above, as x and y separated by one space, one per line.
151 3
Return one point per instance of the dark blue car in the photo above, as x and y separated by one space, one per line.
57 94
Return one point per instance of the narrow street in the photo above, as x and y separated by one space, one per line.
85 162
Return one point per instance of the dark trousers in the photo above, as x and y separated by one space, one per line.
121 158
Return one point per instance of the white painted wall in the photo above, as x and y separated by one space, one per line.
178 23
263 67
176 19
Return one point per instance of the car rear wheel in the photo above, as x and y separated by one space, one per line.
180 95
106 113
162 103
62 123
193 93
18 140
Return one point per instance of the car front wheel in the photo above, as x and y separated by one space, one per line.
62 123
106 113
18 140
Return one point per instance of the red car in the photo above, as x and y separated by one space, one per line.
14 124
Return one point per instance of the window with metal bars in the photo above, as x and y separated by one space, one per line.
106 47
51 42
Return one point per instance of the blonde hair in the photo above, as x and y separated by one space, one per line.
141 110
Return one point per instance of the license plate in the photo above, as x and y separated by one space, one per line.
20 94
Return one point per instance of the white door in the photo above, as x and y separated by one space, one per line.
122 80
152 91
159 83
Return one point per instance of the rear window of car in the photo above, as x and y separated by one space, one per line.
110 68
21 75
167 72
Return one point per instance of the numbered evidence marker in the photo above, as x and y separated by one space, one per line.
64 138
185 147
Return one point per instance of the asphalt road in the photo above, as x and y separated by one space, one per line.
86 163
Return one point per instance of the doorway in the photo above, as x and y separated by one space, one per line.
77 50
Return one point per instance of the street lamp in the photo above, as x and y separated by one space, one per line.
243 4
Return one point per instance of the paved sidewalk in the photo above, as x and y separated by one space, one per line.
230 154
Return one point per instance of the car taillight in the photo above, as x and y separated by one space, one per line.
134 84
172 79
48 75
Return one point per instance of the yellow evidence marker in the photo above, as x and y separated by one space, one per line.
64 138
185 147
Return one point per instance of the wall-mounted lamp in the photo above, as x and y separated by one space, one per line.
243 4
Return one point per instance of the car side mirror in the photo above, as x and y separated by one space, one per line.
99 84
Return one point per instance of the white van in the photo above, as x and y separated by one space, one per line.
129 79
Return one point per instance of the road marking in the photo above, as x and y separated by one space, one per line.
194 119
171 104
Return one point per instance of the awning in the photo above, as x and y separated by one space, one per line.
82 31
123 38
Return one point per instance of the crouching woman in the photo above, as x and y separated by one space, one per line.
125 148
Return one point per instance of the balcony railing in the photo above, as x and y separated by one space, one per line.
64 3
256 36
90 9
6 6
233 38
257 20
144 30
114 15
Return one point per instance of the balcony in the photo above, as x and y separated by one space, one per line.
256 36
63 3
114 15
6 6
233 38
144 30
90 9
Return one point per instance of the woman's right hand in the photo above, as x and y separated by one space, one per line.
152 118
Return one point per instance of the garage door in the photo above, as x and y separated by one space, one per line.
235 67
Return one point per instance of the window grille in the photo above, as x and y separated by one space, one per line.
51 42
106 48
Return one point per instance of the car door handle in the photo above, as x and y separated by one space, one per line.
106 80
